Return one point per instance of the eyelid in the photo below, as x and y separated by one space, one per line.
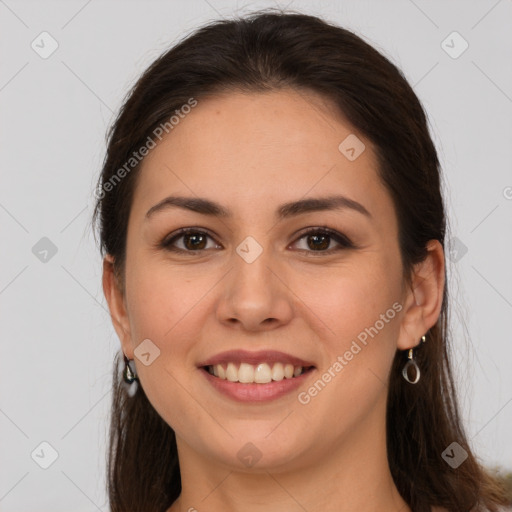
167 241
341 239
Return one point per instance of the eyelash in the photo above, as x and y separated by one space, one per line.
343 241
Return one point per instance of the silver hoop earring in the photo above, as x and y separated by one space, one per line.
412 363
129 375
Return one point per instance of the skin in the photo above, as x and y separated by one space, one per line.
251 153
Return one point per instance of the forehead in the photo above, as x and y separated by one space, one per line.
260 147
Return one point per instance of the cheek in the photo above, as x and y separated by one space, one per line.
162 302
165 309
345 302
359 313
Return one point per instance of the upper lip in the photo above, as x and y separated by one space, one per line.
261 356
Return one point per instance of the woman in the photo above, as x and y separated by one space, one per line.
273 235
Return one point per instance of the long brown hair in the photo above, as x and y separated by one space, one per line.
270 50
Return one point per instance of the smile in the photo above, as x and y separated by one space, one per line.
248 376
262 373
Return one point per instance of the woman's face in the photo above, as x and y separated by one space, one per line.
253 279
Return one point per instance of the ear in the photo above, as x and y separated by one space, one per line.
116 302
424 299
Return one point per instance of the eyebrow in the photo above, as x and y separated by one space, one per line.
286 210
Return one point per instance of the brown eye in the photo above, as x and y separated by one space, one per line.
318 241
321 240
194 241
188 240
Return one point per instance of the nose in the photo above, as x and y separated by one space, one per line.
255 295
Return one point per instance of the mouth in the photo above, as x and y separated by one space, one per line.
262 373
255 376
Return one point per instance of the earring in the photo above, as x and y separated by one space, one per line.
129 375
412 362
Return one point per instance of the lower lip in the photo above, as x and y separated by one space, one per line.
256 392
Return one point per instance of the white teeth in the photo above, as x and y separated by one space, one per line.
261 374
278 371
246 373
232 373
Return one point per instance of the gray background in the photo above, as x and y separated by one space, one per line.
57 341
